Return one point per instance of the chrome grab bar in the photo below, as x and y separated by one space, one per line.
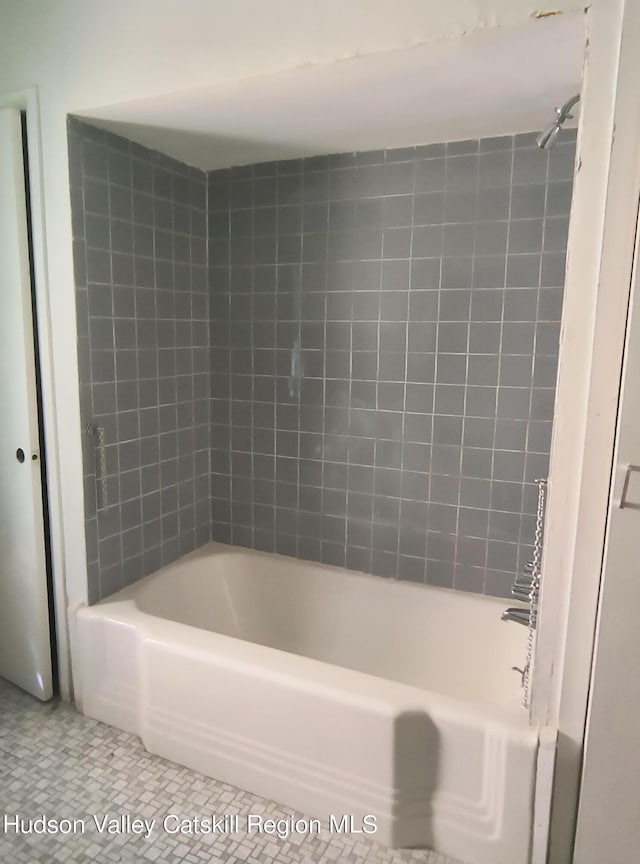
97 432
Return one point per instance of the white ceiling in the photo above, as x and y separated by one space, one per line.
491 82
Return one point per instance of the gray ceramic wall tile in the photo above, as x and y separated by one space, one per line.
397 344
374 337
139 225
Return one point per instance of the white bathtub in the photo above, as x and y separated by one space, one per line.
328 691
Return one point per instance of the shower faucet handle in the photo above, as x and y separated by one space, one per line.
521 592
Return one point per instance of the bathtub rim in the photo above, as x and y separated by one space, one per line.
122 607
370 578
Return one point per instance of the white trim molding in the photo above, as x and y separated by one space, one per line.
599 265
27 100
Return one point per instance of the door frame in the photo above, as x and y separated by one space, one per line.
598 283
606 787
26 100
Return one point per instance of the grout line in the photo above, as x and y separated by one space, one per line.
500 354
466 380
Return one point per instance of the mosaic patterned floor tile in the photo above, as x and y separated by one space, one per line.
57 763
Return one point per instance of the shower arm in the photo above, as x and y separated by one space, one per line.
547 137
563 112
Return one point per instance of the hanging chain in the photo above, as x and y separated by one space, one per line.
534 594
98 434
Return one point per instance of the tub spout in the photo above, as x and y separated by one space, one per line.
515 613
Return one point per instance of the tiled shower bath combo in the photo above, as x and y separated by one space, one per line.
349 360
361 349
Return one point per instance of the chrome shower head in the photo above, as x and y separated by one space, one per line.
546 138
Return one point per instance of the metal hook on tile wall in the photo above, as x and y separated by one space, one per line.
97 432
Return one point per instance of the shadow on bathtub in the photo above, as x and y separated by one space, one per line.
416 762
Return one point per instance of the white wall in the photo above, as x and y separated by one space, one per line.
83 53
489 83
94 53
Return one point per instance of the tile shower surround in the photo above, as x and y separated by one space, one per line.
371 375
384 342
140 255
